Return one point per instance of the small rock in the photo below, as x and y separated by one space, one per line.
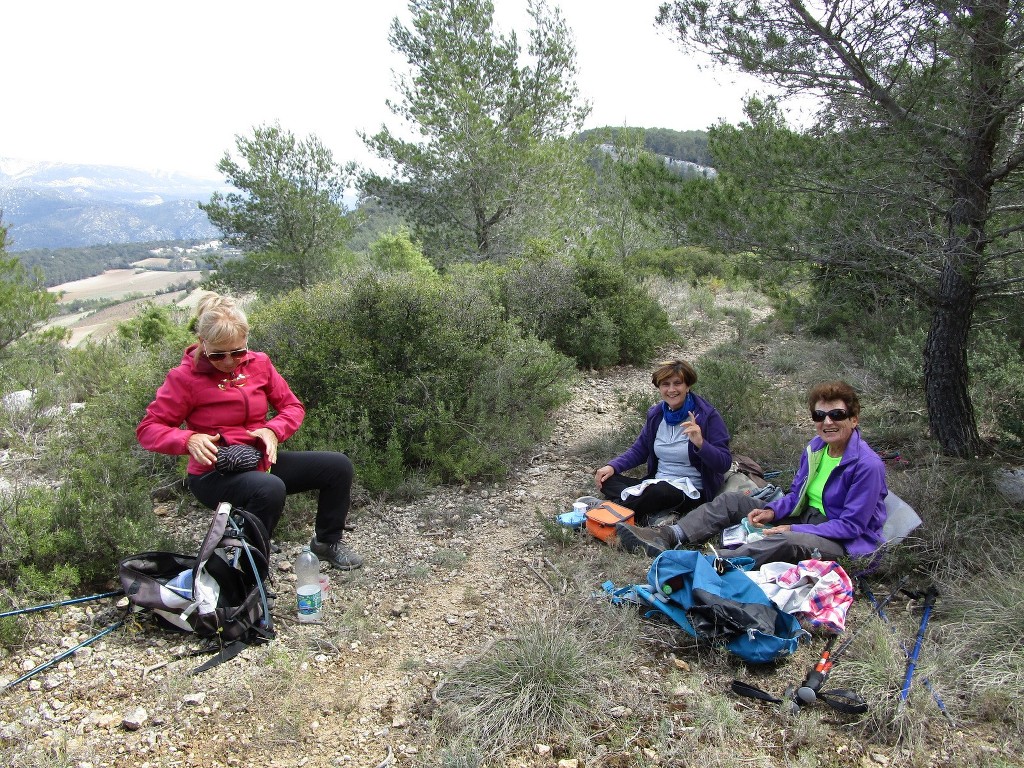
620 711
542 749
569 762
194 699
680 664
135 720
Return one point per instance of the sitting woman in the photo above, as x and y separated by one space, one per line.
835 507
220 395
685 445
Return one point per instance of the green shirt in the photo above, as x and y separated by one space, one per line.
817 485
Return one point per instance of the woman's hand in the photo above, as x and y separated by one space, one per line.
203 448
777 529
692 430
603 474
762 517
269 439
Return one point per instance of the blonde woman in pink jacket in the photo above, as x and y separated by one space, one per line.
221 394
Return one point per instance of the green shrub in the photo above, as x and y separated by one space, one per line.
95 507
396 252
33 547
732 384
686 262
104 502
587 308
997 384
412 375
641 322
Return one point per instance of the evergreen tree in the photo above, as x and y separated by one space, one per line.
288 213
24 301
484 120
912 173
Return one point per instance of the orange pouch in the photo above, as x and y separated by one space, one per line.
601 520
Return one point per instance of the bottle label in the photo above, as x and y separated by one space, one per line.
310 599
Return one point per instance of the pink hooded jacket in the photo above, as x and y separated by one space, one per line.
209 401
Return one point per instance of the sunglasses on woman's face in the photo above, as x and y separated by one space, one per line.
836 414
236 354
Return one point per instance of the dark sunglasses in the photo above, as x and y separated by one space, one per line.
236 354
836 414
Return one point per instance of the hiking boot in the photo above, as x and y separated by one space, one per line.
337 554
651 541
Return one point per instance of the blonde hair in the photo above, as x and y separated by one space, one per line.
672 368
220 319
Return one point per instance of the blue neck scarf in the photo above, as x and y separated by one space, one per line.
677 417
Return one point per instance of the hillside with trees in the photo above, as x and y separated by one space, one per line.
690 146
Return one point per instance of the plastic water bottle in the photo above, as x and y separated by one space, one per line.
307 586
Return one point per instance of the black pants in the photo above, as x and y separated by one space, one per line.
727 509
263 493
657 499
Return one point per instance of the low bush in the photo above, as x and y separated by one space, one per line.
91 505
731 383
586 307
690 263
411 375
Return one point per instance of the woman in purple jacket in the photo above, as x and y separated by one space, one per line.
684 444
835 507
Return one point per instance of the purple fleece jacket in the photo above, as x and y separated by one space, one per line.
853 497
713 459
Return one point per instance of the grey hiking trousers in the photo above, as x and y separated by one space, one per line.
728 509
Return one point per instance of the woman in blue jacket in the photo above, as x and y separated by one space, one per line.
684 444
835 507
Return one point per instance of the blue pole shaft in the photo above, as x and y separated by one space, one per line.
72 601
912 658
880 610
60 657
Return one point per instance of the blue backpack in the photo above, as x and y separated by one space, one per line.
714 600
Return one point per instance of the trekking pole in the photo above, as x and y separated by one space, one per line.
59 603
61 656
808 691
929 602
880 610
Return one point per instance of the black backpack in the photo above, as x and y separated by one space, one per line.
220 593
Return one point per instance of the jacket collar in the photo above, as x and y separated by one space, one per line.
852 452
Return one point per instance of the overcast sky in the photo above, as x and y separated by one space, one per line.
167 85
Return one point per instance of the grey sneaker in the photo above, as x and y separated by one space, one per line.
337 554
652 541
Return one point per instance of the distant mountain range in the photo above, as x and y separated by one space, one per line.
63 205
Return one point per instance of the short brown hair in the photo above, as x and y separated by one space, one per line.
671 368
834 390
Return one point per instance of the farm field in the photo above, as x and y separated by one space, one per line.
116 284
119 283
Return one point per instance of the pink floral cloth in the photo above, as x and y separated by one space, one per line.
818 592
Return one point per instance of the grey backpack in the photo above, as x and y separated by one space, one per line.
220 593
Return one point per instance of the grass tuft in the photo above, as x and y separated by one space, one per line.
542 681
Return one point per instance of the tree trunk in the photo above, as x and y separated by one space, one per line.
946 375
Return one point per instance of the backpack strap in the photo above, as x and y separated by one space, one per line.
226 653
213 537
